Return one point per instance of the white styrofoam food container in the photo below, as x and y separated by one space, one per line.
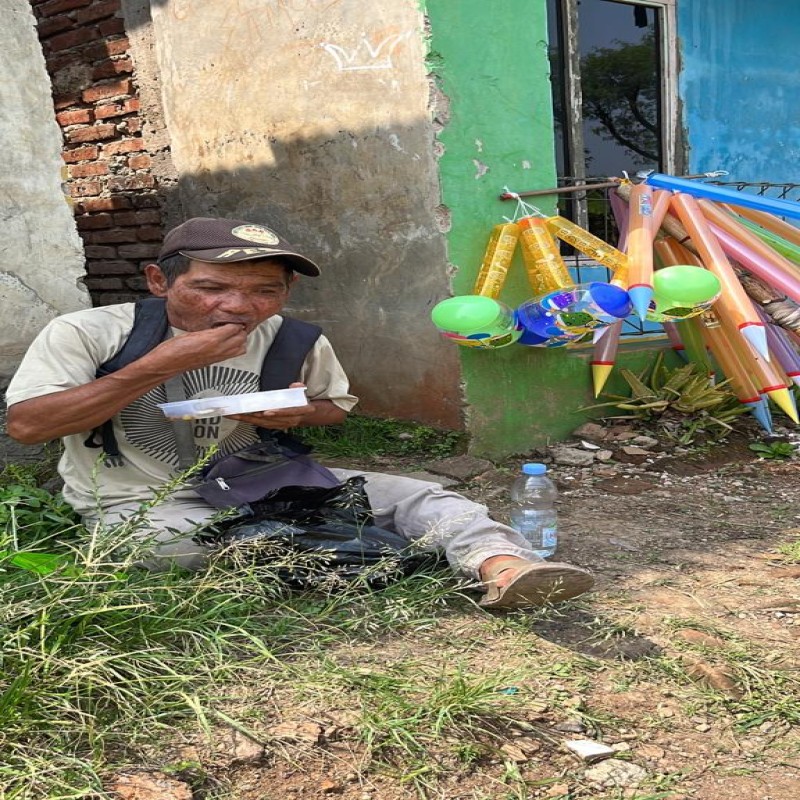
234 404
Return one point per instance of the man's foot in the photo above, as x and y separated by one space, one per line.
517 583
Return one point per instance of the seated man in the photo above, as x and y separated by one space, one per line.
224 283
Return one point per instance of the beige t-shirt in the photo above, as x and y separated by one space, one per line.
69 350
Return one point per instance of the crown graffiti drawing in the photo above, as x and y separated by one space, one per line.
365 55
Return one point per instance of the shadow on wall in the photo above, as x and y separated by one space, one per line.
357 206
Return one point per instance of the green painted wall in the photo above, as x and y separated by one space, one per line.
490 61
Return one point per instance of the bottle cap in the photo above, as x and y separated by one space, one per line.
534 469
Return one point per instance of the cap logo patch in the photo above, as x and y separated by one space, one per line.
246 251
255 233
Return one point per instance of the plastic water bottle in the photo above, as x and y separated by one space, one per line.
533 513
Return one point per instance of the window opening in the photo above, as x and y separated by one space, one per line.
611 72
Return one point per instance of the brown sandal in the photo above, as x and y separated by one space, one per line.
535 584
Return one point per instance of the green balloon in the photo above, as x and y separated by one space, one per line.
471 314
684 286
476 321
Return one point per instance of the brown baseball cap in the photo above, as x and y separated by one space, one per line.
223 241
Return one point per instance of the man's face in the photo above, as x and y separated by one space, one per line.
210 295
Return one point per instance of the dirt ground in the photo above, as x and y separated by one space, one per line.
684 659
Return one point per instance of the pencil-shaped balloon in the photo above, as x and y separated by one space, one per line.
671 329
745 247
733 301
604 356
766 378
546 270
777 243
782 349
661 201
742 385
769 221
640 248
694 346
671 253
497 259
784 208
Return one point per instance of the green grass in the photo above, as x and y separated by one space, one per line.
790 551
366 436
99 659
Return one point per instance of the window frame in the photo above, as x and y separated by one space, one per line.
573 96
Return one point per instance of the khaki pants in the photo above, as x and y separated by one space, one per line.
419 511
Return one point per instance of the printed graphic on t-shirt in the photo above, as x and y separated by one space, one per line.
147 429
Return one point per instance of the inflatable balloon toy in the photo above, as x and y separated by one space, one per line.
539 328
563 316
681 292
475 321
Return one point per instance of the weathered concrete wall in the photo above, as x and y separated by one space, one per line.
739 86
41 257
312 116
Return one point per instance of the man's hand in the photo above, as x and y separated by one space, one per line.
201 348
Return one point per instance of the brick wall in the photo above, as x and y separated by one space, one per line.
108 166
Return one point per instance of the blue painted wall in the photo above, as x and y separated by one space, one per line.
740 87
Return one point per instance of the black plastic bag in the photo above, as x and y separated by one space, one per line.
331 530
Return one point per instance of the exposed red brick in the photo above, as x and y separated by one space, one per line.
132 104
93 133
106 90
112 298
142 161
88 170
145 201
102 204
150 234
57 6
86 153
90 222
139 250
109 27
123 146
133 125
109 267
69 39
68 58
106 48
137 283
114 236
79 117
111 67
93 284
108 110
97 11
116 47
47 27
66 100
85 189
137 218
94 251
127 183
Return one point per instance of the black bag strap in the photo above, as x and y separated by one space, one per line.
282 365
287 353
150 328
